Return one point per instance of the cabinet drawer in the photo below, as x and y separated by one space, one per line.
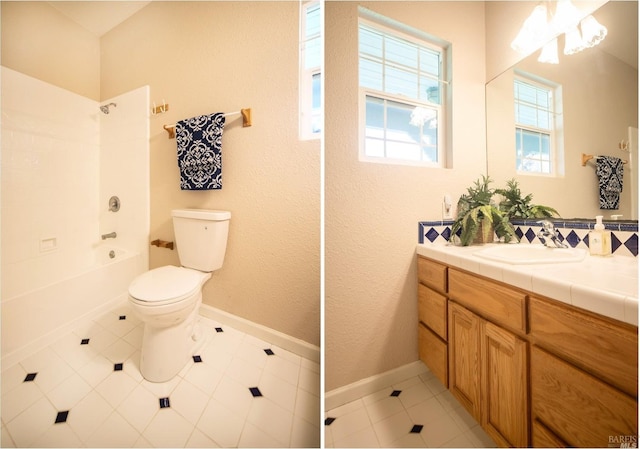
433 352
494 301
433 274
602 347
432 310
577 407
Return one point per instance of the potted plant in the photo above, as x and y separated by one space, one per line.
478 218
515 206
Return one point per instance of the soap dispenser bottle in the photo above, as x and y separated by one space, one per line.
599 239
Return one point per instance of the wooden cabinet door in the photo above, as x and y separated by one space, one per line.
504 386
464 357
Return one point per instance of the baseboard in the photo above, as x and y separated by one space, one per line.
42 342
370 385
297 346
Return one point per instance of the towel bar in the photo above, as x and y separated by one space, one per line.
587 157
162 244
246 121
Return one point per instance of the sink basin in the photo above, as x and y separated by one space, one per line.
522 254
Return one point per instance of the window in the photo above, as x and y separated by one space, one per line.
536 123
310 69
403 96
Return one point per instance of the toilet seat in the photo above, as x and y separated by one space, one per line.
165 285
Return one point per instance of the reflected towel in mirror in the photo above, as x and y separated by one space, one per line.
609 170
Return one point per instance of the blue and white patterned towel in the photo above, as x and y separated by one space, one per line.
609 170
199 141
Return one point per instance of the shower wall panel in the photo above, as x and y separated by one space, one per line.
50 180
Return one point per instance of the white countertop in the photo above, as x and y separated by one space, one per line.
604 285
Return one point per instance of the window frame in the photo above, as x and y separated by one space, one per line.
402 32
556 147
307 113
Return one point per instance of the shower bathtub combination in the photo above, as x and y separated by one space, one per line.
63 160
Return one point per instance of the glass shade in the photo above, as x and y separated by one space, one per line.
533 31
592 31
573 41
549 53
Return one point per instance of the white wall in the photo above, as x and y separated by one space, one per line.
204 57
372 210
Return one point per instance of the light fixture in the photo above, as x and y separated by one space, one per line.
566 17
592 31
537 32
549 53
533 31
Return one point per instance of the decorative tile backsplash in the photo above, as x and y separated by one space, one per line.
624 236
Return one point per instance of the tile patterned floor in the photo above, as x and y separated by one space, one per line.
418 412
85 390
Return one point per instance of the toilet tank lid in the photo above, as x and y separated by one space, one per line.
202 214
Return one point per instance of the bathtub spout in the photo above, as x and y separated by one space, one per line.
111 235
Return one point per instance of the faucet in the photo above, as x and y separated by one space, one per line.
549 232
111 235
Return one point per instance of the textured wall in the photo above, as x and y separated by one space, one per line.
204 57
39 41
372 209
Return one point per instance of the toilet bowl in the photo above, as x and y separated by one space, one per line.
167 299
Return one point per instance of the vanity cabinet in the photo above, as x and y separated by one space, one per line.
487 363
531 370
584 377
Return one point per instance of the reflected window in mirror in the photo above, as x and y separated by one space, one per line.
538 142
403 94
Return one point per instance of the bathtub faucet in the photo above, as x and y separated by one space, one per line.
111 235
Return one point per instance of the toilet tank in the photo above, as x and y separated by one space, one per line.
201 237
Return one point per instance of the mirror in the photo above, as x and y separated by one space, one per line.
599 110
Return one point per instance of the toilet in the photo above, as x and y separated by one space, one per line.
167 299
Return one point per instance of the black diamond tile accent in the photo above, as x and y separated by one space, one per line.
432 234
255 392
62 417
30 377
164 403
117 367
122 317
446 233
615 243
573 239
219 329
632 244
530 235
197 359
519 232
84 341
269 352
328 421
417 428
395 393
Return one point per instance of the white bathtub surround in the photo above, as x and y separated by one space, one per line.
604 285
413 410
238 391
61 161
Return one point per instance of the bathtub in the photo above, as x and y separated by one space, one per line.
33 320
